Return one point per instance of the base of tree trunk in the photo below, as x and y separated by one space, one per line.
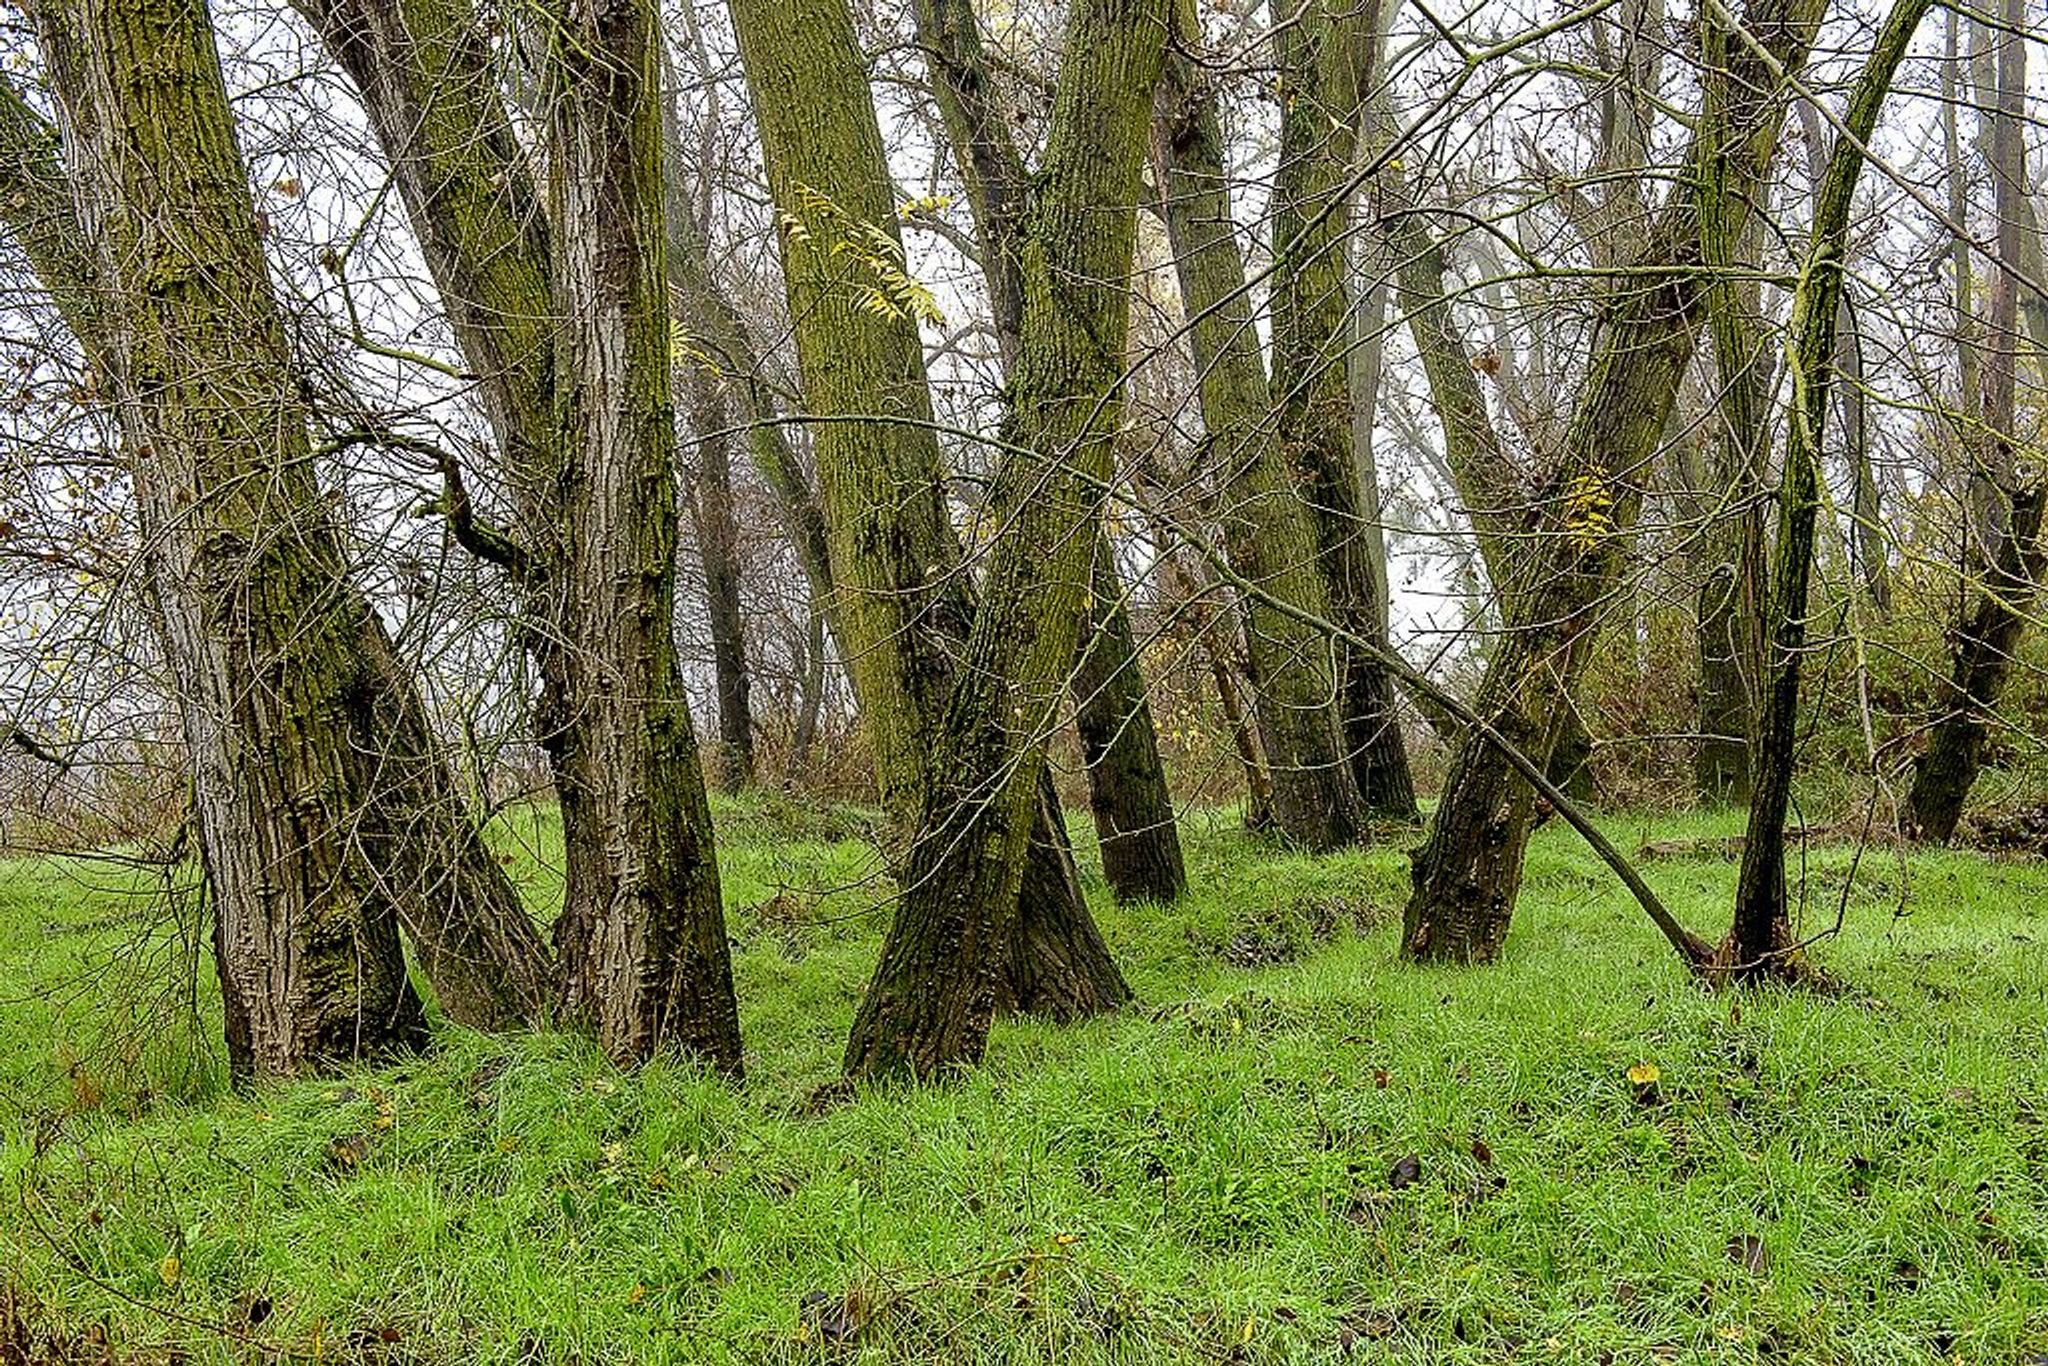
1784 965
1060 967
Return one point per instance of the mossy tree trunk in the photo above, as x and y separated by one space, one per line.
1268 534
642 933
263 635
946 959
473 937
902 603
1134 819
1324 51
580 420
1127 792
1760 943
1730 601
1468 871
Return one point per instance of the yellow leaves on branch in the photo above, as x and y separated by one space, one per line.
882 285
1588 511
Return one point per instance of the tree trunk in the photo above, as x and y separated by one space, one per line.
1733 584
474 939
642 932
933 994
1127 791
1760 944
1268 534
1468 870
645 953
718 550
1322 59
902 603
2012 557
263 633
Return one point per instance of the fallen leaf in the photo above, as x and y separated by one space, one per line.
1481 1153
1644 1074
169 1269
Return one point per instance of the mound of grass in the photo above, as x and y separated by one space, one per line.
1293 1149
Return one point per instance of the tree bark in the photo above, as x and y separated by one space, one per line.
1127 793
1268 534
642 932
1134 819
578 416
717 528
1760 944
263 634
902 603
1469 868
1324 53
472 936
934 992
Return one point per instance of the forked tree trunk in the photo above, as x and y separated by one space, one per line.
1324 53
577 435
1268 533
473 938
1127 792
1141 858
901 603
935 990
642 932
263 633
1469 869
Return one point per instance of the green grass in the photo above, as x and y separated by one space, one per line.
1207 1176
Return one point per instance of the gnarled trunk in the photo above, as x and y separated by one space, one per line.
262 632
642 931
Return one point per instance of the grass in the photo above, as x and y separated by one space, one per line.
1295 1148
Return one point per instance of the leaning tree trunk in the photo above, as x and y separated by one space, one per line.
1323 57
2011 558
263 633
474 939
1760 944
901 602
1141 858
1127 792
935 990
642 931
1268 534
1469 868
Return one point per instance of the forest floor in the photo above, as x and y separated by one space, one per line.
1295 1148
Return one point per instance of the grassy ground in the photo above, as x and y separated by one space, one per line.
1294 1149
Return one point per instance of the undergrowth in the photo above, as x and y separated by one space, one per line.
1293 1149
